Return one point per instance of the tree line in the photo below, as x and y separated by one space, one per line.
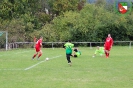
60 20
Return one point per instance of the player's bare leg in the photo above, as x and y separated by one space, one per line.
73 54
107 53
40 54
34 55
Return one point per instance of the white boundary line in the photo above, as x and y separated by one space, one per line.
40 63
11 69
15 53
15 69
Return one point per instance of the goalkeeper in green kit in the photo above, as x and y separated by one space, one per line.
76 53
99 50
69 48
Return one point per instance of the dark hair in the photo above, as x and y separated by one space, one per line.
69 40
76 50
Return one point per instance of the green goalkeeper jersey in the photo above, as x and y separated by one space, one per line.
68 47
100 50
78 53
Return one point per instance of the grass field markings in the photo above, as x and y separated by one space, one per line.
40 63
72 80
11 69
14 53
22 52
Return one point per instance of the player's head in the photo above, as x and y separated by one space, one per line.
69 40
75 49
41 37
109 35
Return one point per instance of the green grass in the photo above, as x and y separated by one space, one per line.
85 72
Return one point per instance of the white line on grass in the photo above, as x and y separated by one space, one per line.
41 62
15 53
22 52
10 69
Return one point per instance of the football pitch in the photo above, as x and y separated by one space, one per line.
17 70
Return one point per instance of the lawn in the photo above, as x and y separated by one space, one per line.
17 70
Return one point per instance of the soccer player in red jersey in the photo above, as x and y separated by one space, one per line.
108 45
38 48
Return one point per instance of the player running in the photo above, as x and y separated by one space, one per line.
108 45
68 46
38 46
99 50
76 53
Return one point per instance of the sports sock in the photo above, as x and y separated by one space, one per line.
34 56
106 53
39 55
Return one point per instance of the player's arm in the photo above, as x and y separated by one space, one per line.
95 53
34 41
72 46
74 53
104 45
112 42
64 46
41 43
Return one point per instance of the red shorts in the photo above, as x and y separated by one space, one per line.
37 49
107 48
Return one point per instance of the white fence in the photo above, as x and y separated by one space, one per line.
60 44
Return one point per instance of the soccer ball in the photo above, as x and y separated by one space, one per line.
47 58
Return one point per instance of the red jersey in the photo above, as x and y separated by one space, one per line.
39 43
109 41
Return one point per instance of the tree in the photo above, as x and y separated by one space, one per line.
92 24
60 6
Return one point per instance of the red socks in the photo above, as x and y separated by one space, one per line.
39 55
107 54
34 55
